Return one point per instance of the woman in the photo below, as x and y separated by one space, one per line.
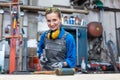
57 44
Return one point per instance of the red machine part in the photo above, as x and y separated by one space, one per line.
95 29
34 64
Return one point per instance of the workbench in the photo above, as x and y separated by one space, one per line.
55 77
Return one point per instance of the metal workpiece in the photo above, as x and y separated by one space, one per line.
65 71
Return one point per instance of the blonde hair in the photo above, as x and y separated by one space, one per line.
53 9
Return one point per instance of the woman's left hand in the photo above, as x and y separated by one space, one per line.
57 65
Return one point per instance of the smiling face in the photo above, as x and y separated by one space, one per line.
53 17
53 21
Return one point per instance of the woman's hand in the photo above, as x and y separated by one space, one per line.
57 65
43 58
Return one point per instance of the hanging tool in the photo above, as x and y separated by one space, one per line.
15 32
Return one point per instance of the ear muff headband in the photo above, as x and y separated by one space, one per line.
53 34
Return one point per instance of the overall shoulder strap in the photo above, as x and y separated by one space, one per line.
46 33
65 34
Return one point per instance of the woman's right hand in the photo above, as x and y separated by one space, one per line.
43 58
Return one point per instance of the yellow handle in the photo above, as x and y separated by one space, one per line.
14 25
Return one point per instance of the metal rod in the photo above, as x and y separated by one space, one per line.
1 22
117 42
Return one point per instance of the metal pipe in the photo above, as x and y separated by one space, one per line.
1 23
107 8
117 42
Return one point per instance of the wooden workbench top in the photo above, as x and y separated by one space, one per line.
115 76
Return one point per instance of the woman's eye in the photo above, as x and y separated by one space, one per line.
48 20
54 19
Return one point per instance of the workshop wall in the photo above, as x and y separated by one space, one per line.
50 3
111 3
118 19
106 18
109 22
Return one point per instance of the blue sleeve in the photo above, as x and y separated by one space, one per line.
71 51
41 44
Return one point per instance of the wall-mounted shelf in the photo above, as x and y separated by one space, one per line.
40 8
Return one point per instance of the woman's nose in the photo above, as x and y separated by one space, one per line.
52 23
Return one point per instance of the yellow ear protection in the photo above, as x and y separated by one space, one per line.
53 34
